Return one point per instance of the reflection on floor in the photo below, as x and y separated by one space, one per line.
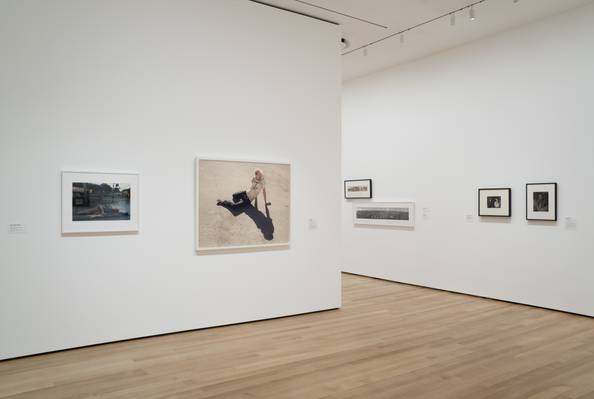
388 341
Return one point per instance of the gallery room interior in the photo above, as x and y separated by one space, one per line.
297 199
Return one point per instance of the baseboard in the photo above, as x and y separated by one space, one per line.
472 295
164 334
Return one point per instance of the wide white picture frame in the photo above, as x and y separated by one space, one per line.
202 246
399 214
96 223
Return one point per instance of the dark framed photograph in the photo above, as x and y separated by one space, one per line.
541 201
358 189
494 202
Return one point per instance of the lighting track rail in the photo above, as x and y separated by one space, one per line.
341 13
402 32
293 11
265 3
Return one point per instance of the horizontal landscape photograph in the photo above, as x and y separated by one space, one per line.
96 202
383 213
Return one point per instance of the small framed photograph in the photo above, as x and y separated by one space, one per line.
358 189
99 202
385 214
541 201
494 202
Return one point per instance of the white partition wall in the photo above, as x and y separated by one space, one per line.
508 110
145 86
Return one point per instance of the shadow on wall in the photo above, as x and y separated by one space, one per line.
494 219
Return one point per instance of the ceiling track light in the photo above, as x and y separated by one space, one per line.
452 14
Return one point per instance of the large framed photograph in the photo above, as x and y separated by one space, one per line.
99 202
242 204
494 202
385 214
541 201
357 189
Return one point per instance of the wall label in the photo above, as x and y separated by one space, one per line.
426 213
570 223
16 228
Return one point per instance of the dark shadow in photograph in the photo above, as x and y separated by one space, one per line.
262 221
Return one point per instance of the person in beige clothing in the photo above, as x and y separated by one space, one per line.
245 198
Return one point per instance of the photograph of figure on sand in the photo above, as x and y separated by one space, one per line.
242 204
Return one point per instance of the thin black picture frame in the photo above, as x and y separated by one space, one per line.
509 195
556 202
354 180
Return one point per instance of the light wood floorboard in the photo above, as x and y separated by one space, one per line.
388 341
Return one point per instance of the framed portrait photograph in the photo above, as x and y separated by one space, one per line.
358 189
384 214
99 202
541 201
242 204
494 202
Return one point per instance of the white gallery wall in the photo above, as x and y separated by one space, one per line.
146 86
508 110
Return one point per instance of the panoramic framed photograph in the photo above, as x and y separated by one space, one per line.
242 204
385 214
356 189
541 201
99 202
494 202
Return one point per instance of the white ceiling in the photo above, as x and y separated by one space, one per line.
396 15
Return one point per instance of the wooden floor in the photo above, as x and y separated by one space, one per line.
388 341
